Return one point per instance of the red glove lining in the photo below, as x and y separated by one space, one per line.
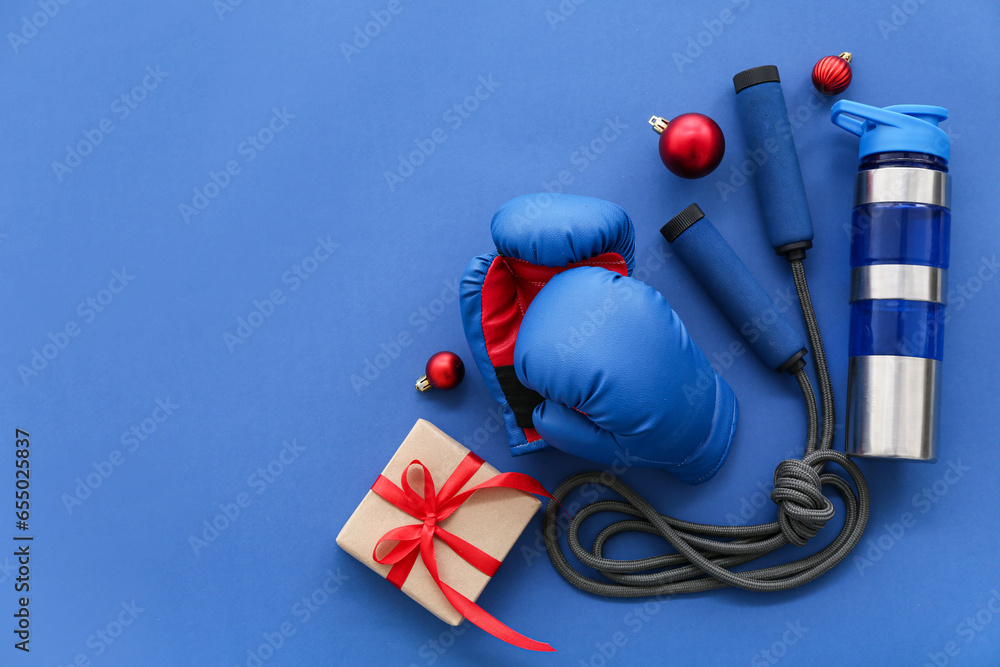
508 289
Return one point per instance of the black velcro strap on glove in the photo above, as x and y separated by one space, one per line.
520 399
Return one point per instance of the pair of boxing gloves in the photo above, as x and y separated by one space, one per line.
587 359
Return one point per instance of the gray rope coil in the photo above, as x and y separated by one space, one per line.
704 554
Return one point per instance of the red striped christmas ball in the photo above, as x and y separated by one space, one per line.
832 75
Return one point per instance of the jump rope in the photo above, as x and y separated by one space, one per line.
706 554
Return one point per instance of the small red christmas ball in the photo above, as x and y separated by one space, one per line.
691 145
832 75
444 370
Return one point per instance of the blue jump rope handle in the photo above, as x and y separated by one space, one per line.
721 273
768 133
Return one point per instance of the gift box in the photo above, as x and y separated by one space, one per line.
437 501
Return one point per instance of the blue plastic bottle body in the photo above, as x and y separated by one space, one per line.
899 233
899 278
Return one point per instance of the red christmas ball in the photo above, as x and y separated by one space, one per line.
444 370
691 145
832 75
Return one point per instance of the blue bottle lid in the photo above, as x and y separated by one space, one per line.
899 128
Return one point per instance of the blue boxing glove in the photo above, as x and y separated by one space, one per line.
621 377
537 237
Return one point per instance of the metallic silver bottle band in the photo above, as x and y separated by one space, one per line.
893 407
903 184
912 282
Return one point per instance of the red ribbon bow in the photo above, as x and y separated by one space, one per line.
418 539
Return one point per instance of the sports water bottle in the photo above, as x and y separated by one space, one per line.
900 231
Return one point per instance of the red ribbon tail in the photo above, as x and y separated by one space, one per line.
480 618
401 570
526 483
504 480
418 539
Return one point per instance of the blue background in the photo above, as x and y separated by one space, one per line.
399 251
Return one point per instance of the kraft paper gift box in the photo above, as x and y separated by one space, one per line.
491 519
